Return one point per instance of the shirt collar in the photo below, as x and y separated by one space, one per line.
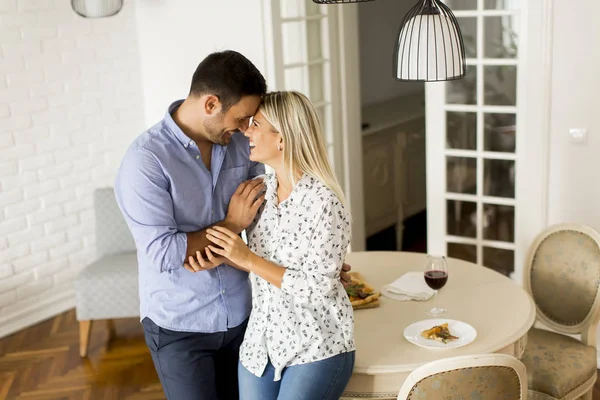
174 128
298 193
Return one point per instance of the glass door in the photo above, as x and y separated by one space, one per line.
472 156
304 61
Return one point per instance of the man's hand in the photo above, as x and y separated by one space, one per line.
200 264
344 276
244 204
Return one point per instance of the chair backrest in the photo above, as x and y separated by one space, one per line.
483 376
562 274
112 233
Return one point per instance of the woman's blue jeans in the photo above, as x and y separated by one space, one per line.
319 380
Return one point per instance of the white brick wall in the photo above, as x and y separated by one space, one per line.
70 103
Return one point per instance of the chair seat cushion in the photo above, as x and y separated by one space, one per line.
108 288
557 364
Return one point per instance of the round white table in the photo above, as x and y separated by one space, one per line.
497 307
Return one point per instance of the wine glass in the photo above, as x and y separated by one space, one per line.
436 276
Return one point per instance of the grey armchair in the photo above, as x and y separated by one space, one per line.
108 287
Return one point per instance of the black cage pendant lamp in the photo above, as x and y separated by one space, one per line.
339 1
430 46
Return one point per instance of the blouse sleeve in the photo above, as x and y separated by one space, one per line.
317 275
259 212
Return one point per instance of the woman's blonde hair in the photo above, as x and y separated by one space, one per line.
293 115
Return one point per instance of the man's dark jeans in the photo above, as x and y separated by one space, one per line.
196 366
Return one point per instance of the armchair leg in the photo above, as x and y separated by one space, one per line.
110 325
85 328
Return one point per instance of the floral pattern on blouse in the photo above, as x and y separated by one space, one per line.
310 318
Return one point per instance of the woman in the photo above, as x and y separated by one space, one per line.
299 343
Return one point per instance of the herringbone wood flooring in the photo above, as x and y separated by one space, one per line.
42 362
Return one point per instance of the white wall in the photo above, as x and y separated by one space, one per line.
379 22
175 35
74 93
70 103
574 170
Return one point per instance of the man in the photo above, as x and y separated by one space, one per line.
186 173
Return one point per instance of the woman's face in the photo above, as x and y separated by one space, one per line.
266 145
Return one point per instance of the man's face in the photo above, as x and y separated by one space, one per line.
222 126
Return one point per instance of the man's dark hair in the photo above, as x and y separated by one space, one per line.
228 75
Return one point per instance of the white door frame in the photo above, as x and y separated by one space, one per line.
351 119
533 127
535 90
348 82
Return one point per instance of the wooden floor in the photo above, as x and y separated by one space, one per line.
42 362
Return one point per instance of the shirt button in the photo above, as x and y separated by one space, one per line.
185 145
197 157
223 291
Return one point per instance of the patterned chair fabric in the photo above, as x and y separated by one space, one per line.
563 276
108 287
475 383
474 377
112 233
557 364
566 262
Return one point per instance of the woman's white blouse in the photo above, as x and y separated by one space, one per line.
310 318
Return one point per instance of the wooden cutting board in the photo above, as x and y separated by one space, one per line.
373 304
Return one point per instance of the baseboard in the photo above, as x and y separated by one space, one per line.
54 304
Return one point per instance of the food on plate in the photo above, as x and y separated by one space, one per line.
361 294
440 333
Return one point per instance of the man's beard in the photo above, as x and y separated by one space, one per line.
215 132
223 138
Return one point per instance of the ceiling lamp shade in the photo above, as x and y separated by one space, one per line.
96 8
339 1
430 46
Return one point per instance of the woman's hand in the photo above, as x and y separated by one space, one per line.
345 275
231 245
200 264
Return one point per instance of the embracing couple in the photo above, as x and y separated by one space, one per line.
223 319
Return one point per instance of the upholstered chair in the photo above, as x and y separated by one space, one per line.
474 377
107 288
562 274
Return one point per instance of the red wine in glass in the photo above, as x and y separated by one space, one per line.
436 276
436 279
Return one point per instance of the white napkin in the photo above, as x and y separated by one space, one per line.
410 286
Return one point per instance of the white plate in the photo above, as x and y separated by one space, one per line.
465 332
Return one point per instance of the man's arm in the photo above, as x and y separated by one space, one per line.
141 191
243 206
197 241
212 261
